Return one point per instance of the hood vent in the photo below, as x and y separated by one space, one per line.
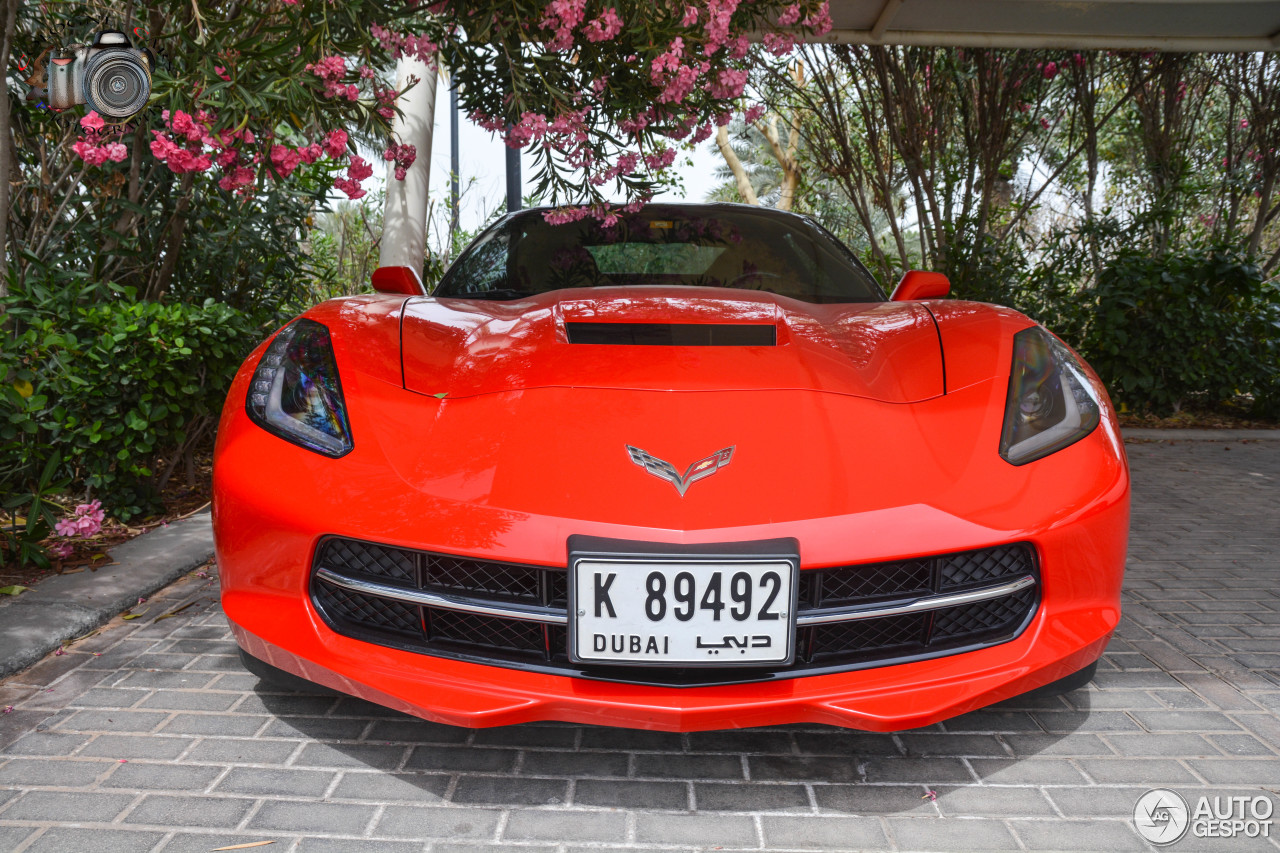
674 334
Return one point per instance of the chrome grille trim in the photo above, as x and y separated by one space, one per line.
444 601
558 616
919 605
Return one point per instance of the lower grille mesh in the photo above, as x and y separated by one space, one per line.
528 644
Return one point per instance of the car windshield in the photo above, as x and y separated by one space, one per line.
710 246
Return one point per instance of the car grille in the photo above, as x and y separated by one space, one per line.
530 633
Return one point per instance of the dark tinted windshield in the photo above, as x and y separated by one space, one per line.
699 246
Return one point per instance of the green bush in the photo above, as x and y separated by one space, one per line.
1201 323
118 391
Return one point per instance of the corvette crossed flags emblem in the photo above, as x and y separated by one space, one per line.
666 471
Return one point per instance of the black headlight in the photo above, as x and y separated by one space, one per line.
295 393
1051 404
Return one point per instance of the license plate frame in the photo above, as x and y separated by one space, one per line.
587 553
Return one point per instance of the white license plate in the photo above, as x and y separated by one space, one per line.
696 612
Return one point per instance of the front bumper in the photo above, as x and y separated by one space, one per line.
274 503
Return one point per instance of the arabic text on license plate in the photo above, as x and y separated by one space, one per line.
683 613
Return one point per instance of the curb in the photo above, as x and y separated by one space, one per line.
64 607
1202 434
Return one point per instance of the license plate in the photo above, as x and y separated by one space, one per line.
682 612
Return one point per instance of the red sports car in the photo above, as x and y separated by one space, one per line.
686 470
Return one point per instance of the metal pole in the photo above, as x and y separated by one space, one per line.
513 179
404 219
454 168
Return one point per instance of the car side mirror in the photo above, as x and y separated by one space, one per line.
919 284
402 280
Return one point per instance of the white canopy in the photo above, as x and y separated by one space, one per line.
1174 25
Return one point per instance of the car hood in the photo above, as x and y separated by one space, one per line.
463 347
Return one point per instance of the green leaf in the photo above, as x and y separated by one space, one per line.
14 589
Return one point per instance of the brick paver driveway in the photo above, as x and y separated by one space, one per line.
160 742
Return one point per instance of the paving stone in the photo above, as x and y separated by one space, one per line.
1241 745
701 829
741 741
1185 721
1096 801
318 728
356 845
162 777
827 833
1242 771
461 759
1073 744
783 768
1078 835
425 822
630 740
874 799
283 782
953 744
690 766
61 839
33 773
212 812
1154 771
378 756
510 791
576 764
951 836
416 731
203 842
925 771
46 743
242 751
12 836
1026 771
536 737
631 794
566 825
56 806
992 801
838 742
229 725
1146 744
109 697
113 721
750 797
389 787
148 746
190 700
289 816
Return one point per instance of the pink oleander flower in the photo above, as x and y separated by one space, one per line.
91 154
310 153
605 27
285 160
790 15
359 169
753 113
92 121
335 143
1050 70
239 177
116 151
351 188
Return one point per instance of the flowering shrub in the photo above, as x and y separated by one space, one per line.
601 91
